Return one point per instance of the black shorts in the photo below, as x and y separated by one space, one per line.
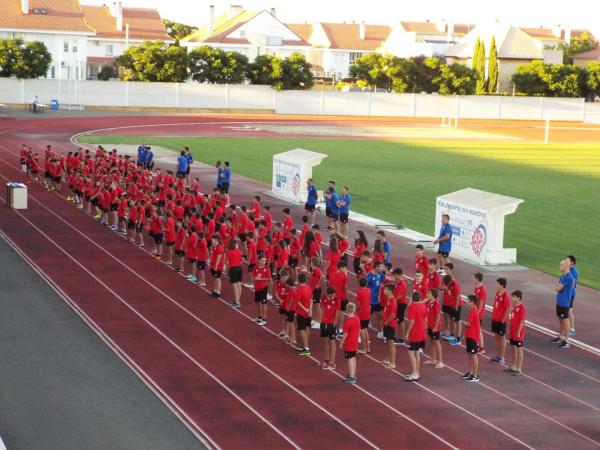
103 209
87 198
139 227
562 312
95 201
499 328
364 324
349 355
447 309
131 224
225 187
189 168
293 262
215 273
343 218
235 274
121 219
317 295
328 330
375 307
282 311
158 239
180 253
455 313
191 260
181 175
303 322
343 305
170 244
57 179
328 211
251 267
400 312
416 346
242 237
389 333
47 174
472 346
201 265
434 335
335 217
261 296
356 266
289 316
309 208
572 300
516 343
444 254
114 207
160 203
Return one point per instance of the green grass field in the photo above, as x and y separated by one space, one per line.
399 181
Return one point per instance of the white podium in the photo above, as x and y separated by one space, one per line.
16 195
477 219
291 169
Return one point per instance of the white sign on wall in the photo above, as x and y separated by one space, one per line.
291 170
477 220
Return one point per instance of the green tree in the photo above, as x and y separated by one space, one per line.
475 59
564 80
492 84
177 30
262 70
593 80
106 73
295 73
580 44
427 69
402 73
154 61
213 65
531 78
372 69
480 87
23 60
456 79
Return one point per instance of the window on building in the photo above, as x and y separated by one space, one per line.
74 47
109 50
354 56
66 46
53 72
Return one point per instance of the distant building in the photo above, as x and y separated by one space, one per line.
335 46
116 28
251 33
583 59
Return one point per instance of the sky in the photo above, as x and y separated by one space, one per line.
533 13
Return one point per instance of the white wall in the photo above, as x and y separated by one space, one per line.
195 95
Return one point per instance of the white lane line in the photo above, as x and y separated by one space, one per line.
167 338
169 402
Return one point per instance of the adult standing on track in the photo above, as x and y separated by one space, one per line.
575 274
190 160
344 204
226 180
141 155
311 200
182 165
564 291
444 242
219 168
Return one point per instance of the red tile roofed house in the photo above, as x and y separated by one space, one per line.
59 24
251 33
111 24
547 40
583 59
335 46
423 38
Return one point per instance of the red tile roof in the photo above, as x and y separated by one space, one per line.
347 36
61 15
548 33
144 24
591 55
303 30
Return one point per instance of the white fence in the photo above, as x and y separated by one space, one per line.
203 96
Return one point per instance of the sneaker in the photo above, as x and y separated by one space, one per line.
315 324
447 337
501 361
330 367
510 370
440 365
495 359
350 380
516 373
380 335
455 341
191 278
340 333
235 305
473 379
556 340
269 297
572 332
466 375
202 285
430 362
281 335
304 352
215 294
258 319
262 323
564 344
398 341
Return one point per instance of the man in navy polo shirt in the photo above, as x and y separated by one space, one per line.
575 274
142 151
190 160
311 200
374 280
344 203
329 200
182 165
564 291
445 241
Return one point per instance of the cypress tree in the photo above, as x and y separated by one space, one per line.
480 87
475 54
492 86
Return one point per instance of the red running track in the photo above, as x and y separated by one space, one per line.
239 385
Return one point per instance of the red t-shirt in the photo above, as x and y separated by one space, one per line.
338 280
202 250
474 329
216 252
359 249
330 306
390 311
303 297
261 272
421 263
190 251
363 299
283 292
252 255
501 305
179 238
518 314
333 258
234 258
287 226
351 331
421 288
315 278
449 297
170 230
400 291
416 312
433 279
480 293
433 311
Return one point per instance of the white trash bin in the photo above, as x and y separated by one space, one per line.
16 194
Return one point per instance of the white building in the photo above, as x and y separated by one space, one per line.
251 33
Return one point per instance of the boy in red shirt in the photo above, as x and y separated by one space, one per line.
434 326
472 331
262 276
330 304
217 262
282 295
180 238
499 318
433 277
415 335
170 236
451 306
349 342
479 291
363 300
517 333
316 277
421 261
338 281
234 266
190 252
303 309
400 296
156 228
390 323
420 284
201 258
